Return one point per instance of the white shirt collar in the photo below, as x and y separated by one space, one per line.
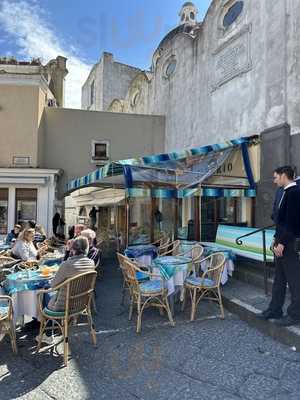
290 185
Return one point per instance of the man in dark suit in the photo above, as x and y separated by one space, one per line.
287 263
278 195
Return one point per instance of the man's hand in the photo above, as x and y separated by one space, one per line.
278 250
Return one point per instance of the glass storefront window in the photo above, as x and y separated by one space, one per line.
3 211
26 205
215 211
167 224
140 216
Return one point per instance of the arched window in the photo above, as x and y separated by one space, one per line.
233 13
170 68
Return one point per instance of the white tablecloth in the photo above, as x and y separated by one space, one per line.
25 303
177 280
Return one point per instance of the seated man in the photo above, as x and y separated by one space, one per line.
77 264
93 253
77 231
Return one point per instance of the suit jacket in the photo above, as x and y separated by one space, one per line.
73 266
288 217
278 196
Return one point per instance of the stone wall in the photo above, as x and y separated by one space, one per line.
111 79
227 83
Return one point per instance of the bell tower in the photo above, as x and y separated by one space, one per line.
188 13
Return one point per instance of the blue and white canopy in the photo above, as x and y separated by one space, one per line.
184 171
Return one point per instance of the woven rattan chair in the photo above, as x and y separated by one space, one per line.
126 282
78 296
162 241
5 260
196 253
208 285
6 321
151 293
169 249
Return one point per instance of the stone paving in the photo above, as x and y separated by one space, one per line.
207 359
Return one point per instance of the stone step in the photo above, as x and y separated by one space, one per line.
247 301
253 273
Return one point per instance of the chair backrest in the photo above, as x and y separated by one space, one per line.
215 267
7 302
79 290
197 252
175 247
172 248
4 260
129 269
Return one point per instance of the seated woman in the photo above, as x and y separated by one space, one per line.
13 235
93 253
24 248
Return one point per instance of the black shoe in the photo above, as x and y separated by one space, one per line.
287 320
268 314
32 326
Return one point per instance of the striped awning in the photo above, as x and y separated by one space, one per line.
172 164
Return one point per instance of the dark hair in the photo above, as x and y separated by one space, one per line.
32 224
287 170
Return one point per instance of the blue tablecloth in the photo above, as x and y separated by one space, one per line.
141 250
25 280
168 265
229 254
4 247
49 262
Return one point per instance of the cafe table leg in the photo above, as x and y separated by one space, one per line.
172 302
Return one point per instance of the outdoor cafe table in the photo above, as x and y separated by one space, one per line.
22 286
173 269
144 253
229 261
187 245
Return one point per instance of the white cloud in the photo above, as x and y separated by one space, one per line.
27 23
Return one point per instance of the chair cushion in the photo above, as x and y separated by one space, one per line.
140 276
52 313
3 311
197 281
151 286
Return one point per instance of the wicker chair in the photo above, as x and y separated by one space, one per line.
5 260
126 282
208 285
169 249
146 294
162 241
6 321
79 291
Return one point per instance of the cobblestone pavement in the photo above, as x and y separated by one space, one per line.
207 359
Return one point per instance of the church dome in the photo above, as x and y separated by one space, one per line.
179 29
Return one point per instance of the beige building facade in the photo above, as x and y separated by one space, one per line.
43 145
27 192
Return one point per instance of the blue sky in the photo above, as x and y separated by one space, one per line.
82 29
